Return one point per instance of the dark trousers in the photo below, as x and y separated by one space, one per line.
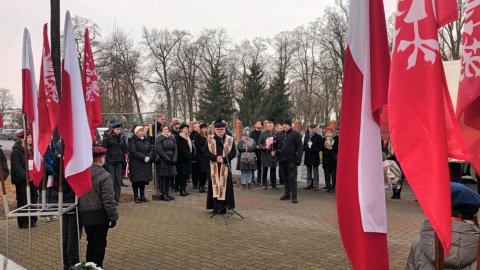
330 171
97 242
138 186
273 176
195 174
280 177
70 240
312 181
176 183
21 192
115 170
164 183
182 179
288 170
202 178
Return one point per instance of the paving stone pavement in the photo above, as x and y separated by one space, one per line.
181 235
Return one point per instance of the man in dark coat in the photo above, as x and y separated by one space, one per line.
202 162
160 123
97 209
289 150
268 161
312 144
255 135
195 172
330 152
220 150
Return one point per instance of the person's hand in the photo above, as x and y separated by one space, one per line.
220 159
273 153
147 159
258 147
299 163
113 223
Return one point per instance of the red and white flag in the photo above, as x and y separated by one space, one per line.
423 127
29 103
1 120
73 118
48 102
90 88
360 183
468 101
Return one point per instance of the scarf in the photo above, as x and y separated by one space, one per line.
248 157
219 179
185 136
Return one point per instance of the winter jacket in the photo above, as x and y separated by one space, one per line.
97 206
330 155
166 149
203 163
138 149
312 153
194 148
255 135
463 252
17 163
116 146
242 149
184 166
289 146
4 165
267 159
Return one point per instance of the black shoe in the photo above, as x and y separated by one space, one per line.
309 187
170 197
137 200
324 187
174 190
124 185
143 199
23 226
195 187
294 199
186 193
397 196
285 197
394 195
164 197
183 193
328 190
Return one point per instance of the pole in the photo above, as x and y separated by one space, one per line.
44 183
25 148
439 258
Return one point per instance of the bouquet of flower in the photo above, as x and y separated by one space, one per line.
269 142
85 266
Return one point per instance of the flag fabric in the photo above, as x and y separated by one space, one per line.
1 120
360 182
423 127
29 104
468 100
90 88
48 103
73 118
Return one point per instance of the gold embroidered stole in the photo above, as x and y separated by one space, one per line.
219 180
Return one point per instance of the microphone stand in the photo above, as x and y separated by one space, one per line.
224 211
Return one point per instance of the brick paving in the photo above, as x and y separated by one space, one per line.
181 235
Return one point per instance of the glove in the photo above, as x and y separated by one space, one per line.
147 159
299 163
112 224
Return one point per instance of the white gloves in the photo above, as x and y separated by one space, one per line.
147 159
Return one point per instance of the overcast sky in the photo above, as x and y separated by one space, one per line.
243 19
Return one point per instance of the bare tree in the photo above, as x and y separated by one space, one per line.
7 100
450 36
79 26
161 46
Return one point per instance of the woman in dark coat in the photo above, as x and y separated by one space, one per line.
141 156
330 152
19 174
247 159
184 165
203 164
166 149
312 144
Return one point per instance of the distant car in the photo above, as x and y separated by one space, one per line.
102 130
8 134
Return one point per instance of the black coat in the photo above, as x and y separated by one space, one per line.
166 149
116 146
17 162
213 203
184 165
289 146
242 149
255 135
4 165
330 156
267 159
138 149
202 161
312 153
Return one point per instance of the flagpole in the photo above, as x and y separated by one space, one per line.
44 184
439 257
27 167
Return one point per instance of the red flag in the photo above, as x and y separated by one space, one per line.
48 106
90 88
29 104
423 127
360 186
74 128
1 120
468 102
